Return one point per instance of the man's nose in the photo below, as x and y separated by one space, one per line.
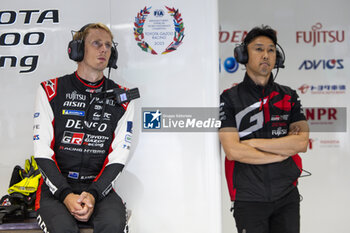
104 48
265 54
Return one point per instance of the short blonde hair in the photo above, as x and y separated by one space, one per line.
82 33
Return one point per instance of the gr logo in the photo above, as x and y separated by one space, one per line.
152 119
72 138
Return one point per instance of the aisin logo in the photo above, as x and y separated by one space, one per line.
152 119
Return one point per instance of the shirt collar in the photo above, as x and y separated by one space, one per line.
247 81
84 86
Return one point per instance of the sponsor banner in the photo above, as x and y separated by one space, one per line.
320 35
322 89
232 36
326 119
27 41
334 142
180 119
322 64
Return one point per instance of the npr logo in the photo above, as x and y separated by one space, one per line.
321 113
72 138
327 119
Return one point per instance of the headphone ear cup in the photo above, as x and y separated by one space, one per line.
279 60
113 58
241 54
76 50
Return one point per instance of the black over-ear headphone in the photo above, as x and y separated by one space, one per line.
241 55
76 50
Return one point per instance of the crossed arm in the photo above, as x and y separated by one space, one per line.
264 151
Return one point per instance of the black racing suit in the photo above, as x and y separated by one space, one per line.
74 157
261 112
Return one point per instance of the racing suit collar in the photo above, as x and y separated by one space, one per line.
247 81
85 86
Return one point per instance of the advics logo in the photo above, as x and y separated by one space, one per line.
152 120
322 64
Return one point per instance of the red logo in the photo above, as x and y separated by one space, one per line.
72 138
50 87
233 37
317 35
283 104
310 143
303 89
321 113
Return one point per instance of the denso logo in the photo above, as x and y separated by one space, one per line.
78 124
317 35
322 64
233 37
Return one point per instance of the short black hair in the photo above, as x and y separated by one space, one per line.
261 31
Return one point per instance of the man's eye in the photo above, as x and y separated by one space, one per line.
108 46
259 49
96 44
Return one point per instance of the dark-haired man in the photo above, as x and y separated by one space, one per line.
263 130
82 140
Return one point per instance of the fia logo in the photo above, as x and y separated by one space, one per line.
152 119
158 13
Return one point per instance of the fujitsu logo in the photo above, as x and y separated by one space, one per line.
317 35
75 96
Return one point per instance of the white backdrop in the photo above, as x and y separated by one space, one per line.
172 180
325 79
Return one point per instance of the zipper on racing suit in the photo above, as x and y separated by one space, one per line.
266 131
